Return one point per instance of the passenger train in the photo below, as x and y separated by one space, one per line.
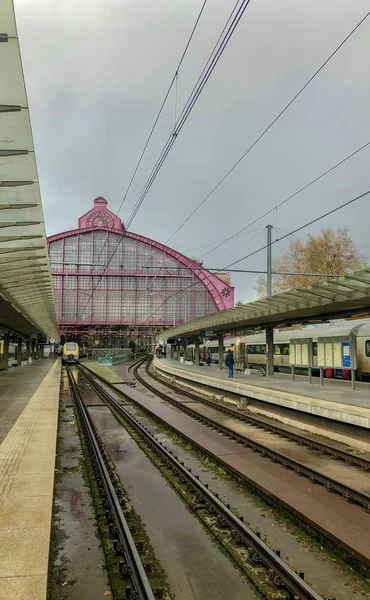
70 353
250 351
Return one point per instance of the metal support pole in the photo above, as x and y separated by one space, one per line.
19 353
321 376
353 378
5 361
269 262
292 371
270 350
220 339
309 374
33 349
196 350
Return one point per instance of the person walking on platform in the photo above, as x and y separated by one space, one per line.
229 362
208 360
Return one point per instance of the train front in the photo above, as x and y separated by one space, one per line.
70 353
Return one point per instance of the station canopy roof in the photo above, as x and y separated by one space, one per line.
26 291
334 298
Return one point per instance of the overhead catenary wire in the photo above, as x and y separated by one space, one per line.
271 124
211 243
234 23
305 187
322 66
173 80
215 56
328 213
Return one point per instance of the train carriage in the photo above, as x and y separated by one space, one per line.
251 350
70 353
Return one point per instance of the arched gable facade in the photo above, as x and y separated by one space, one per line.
106 277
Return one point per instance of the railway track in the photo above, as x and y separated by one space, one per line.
131 566
324 448
347 492
278 573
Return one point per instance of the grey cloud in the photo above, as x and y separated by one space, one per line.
96 74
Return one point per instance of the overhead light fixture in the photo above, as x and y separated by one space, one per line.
11 152
15 183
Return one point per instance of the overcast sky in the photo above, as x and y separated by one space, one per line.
97 71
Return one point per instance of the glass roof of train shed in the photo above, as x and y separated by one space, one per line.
334 298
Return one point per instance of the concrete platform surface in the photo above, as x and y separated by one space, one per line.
17 385
334 400
27 463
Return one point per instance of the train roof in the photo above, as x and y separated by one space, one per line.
333 329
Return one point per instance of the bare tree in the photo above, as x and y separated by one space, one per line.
331 252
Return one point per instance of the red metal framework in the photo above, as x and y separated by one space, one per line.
106 276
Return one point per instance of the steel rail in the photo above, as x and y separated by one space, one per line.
257 549
347 492
357 461
134 568
138 362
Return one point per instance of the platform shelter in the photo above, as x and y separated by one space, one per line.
337 297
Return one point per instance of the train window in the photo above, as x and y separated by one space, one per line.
277 349
71 346
260 349
367 347
284 349
250 349
314 348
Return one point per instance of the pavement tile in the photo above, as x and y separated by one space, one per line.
15 513
27 485
36 450
44 436
30 464
23 588
24 552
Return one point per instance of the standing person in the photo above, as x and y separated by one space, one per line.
208 360
229 362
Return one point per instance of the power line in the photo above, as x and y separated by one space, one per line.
192 100
330 212
285 231
305 187
247 242
192 103
215 56
269 126
189 250
173 80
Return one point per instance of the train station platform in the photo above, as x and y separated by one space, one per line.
27 464
334 400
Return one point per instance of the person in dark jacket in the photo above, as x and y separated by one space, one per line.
229 362
208 360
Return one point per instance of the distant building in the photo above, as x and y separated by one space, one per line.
111 284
